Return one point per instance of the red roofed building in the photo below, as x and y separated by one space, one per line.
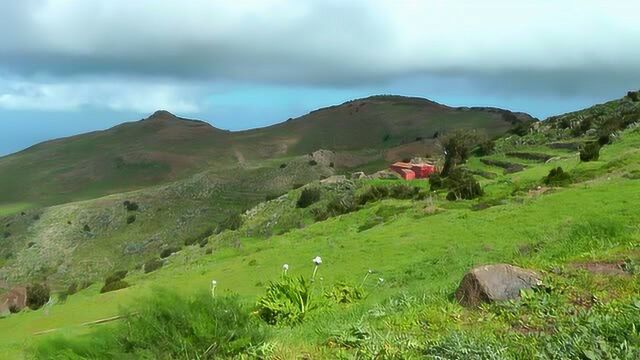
410 171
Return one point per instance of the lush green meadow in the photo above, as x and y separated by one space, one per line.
421 249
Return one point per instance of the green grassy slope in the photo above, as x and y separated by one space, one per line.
422 254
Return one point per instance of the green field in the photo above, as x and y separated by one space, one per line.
421 254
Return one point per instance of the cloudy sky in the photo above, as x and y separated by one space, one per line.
69 66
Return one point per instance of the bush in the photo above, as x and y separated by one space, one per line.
313 163
73 288
343 293
462 185
283 165
113 286
287 301
232 222
131 219
152 265
200 238
167 326
590 151
308 197
272 196
131 206
343 205
403 191
456 147
557 177
168 251
116 276
435 181
486 148
372 193
37 296
634 95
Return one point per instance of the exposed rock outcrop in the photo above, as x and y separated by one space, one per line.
498 282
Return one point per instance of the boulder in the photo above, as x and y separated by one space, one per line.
16 299
358 175
497 282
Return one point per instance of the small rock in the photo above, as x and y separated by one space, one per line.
497 282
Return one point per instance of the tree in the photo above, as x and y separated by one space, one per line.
37 296
456 147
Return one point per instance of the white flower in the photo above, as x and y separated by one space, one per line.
370 271
380 280
317 260
214 283
285 267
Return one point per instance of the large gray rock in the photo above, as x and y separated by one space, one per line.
498 282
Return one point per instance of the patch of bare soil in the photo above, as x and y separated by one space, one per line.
602 268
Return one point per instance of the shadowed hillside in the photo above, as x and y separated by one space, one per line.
164 147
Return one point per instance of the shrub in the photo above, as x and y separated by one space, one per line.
343 205
283 165
297 186
486 147
272 196
152 265
168 251
462 185
435 181
308 197
557 177
167 326
313 163
343 293
116 276
287 301
113 286
634 95
73 288
200 238
232 222
86 228
37 296
372 193
14 309
131 219
590 151
404 191
131 206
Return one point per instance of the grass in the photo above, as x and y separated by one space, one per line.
421 255
13 208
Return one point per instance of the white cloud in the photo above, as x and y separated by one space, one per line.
142 97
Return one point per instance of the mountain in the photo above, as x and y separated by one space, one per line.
393 254
164 148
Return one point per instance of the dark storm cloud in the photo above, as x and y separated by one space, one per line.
500 46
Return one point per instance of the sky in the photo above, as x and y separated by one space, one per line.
71 66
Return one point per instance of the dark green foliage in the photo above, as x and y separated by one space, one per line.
200 238
168 251
386 137
13 309
634 95
209 251
308 197
116 276
6 234
73 288
232 222
604 139
530 156
131 219
37 296
343 293
486 148
521 129
331 164
167 326
287 301
557 177
456 147
152 265
113 286
283 165
86 228
313 163
462 185
590 152
297 186
403 191
373 193
130 205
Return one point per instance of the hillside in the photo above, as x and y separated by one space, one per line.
581 234
165 148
